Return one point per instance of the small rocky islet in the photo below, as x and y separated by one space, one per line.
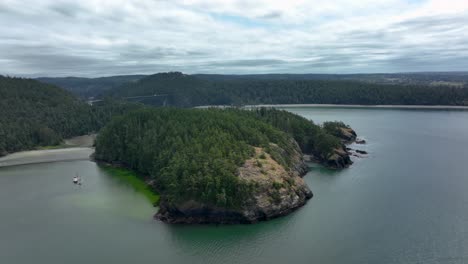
223 166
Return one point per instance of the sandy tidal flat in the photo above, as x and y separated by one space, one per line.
41 156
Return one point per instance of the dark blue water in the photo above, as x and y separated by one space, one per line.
407 202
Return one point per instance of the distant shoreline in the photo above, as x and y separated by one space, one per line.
435 107
459 107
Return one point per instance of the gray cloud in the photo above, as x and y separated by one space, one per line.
62 38
67 10
434 23
271 15
248 63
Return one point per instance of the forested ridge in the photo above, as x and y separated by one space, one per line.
191 90
194 154
38 114
90 87
94 87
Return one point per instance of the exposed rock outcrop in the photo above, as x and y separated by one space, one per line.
347 135
338 160
341 158
278 191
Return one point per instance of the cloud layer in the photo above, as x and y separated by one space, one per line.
97 38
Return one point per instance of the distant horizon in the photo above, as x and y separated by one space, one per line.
34 76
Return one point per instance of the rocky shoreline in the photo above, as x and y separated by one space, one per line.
341 158
278 193
279 189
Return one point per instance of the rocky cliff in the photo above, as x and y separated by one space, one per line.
278 191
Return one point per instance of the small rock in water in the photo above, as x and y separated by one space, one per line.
360 141
361 151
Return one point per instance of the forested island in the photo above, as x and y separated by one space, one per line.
221 165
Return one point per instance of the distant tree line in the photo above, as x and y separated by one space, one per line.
94 87
190 90
89 87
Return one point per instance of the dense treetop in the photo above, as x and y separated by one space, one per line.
312 138
33 113
193 154
37 114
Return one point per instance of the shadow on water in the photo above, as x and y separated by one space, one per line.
229 243
205 233
319 169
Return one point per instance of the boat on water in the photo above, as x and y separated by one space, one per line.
77 180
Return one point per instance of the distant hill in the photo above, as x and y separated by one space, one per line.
35 114
95 87
39 114
90 87
181 90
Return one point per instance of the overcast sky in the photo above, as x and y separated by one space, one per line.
100 38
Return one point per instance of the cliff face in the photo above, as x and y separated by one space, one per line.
278 191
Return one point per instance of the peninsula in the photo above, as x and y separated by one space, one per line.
221 165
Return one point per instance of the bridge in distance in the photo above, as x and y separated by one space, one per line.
91 102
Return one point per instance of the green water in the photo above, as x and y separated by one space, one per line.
406 203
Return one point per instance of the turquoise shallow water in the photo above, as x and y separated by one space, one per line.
405 203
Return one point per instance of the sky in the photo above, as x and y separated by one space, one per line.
115 37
